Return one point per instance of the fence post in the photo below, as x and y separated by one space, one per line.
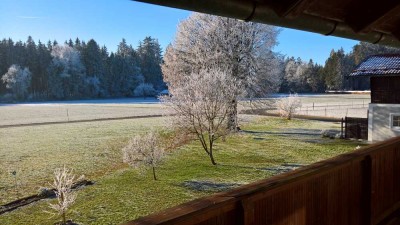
345 128
248 212
341 129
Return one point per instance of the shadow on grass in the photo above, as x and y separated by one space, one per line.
208 186
285 132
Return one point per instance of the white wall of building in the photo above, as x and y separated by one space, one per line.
380 123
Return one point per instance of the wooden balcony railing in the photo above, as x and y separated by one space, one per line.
358 188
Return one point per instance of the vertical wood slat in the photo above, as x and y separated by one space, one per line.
359 188
367 191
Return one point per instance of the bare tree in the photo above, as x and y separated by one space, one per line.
287 106
144 150
64 179
201 103
243 50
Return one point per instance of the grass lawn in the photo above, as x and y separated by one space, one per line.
121 193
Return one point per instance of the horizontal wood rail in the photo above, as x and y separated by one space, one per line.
361 187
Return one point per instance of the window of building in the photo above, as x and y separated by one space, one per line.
395 121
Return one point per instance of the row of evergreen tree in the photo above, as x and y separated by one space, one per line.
300 76
76 69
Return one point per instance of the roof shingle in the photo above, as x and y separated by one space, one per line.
384 65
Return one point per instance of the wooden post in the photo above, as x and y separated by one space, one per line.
341 129
248 212
345 128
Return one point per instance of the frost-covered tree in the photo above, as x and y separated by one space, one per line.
201 105
66 73
144 150
295 76
64 179
17 80
144 90
287 106
242 49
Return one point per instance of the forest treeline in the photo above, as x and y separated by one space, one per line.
305 77
78 69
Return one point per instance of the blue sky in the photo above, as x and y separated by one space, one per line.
108 21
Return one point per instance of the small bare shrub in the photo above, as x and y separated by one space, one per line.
287 106
144 150
63 182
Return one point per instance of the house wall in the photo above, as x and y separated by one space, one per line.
379 121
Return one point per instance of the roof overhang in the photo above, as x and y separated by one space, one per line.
371 21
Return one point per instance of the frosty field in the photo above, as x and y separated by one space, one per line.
325 105
77 110
11 114
121 193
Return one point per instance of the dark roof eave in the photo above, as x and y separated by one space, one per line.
261 12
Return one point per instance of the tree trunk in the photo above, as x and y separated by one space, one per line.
64 218
154 173
211 154
212 159
232 117
63 213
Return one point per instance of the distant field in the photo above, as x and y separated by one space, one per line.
10 114
121 193
76 110
328 105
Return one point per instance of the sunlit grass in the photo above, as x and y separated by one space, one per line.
122 194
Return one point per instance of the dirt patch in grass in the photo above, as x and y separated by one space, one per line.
45 193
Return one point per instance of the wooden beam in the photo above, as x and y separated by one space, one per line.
396 34
292 9
289 8
365 15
